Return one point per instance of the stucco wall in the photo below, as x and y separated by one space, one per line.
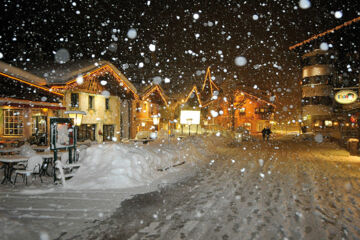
98 115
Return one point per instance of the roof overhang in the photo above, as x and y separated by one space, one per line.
13 102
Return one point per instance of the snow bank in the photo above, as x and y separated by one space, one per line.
110 166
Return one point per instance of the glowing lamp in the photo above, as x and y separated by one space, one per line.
76 115
156 119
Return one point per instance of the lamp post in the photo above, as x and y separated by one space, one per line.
156 121
189 121
77 116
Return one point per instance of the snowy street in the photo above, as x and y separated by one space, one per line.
281 189
275 190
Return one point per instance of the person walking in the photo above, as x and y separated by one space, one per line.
267 132
263 133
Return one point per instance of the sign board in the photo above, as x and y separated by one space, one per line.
62 133
346 96
189 117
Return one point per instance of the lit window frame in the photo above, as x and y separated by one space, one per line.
13 123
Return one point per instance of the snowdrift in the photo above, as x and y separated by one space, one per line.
110 166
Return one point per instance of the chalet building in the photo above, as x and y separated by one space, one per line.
240 109
224 107
151 103
330 63
102 91
26 104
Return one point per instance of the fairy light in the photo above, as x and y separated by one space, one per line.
325 33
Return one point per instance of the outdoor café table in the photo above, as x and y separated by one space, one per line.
40 148
9 151
48 158
9 162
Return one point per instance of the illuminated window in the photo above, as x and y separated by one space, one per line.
247 126
13 122
138 107
318 123
328 123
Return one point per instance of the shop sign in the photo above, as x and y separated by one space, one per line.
346 97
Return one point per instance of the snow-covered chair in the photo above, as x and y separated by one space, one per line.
65 171
33 167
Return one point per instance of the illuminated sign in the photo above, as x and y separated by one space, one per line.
189 117
346 97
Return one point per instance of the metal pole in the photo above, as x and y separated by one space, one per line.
189 129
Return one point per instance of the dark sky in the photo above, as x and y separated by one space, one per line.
260 31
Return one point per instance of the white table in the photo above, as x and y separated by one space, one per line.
40 148
144 141
6 151
9 162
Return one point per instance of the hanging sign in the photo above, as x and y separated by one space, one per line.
346 97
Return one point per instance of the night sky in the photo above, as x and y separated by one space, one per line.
189 36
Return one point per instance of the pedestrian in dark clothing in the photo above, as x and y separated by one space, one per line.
263 133
268 132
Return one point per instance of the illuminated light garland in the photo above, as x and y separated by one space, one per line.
160 91
98 71
325 33
259 99
208 76
31 84
197 95
15 101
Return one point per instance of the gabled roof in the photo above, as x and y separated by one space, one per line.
211 83
17 83
257 98
148 90
194 89
67 78
19 74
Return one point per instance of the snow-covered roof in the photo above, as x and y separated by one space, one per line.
146 92
60 74
15 72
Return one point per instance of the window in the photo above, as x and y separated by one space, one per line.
138 108
242 110
86 132
108 132
74 100
39 124
317 100
247 126
13 122
91 102
107 103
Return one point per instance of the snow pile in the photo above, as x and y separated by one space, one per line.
110 166
26 150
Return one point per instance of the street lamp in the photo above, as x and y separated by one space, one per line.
189 121
77 116
156 121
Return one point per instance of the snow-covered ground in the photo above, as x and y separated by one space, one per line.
109 174
282 189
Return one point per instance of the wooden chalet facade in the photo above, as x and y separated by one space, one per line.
106 96
26 104
151 103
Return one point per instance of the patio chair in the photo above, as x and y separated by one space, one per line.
33 167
